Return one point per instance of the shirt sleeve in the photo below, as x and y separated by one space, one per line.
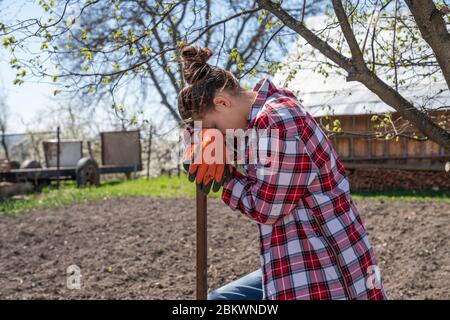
272 189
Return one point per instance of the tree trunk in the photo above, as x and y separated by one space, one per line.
420 119
434 31
5 147
357 71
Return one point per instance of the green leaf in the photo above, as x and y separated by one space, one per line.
7 41
86 53
17 81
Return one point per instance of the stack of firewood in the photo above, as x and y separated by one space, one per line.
392 179
4 165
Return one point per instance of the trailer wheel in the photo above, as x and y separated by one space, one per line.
30 164
87 172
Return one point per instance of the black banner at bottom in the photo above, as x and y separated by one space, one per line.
236 310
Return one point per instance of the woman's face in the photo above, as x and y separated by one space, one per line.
230 111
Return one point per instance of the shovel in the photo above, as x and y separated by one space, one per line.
201 251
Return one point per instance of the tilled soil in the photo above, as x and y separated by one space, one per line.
144 248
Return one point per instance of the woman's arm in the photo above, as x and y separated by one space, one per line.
267 196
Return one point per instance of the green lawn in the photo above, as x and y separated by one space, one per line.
163 187
68 193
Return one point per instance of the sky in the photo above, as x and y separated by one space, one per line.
25 100
34 96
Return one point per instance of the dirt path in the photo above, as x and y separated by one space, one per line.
144 248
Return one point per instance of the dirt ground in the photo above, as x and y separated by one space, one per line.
143 248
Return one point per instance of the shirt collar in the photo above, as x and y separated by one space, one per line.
264 89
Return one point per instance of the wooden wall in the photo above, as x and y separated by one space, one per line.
356 149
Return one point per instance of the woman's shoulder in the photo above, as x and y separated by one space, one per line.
281 110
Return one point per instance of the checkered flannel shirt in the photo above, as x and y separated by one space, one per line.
313 244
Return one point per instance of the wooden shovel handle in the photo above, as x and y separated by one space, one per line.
202 285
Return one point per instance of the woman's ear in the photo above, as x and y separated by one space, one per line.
221 101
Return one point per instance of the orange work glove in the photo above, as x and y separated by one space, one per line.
208 170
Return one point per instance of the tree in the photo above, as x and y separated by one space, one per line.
365 54
4 115
107 46
121 49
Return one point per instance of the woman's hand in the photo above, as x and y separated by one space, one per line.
205 159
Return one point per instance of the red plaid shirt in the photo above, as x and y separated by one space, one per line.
313 244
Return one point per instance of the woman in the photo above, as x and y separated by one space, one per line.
313 244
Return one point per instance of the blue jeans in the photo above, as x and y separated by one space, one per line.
248 287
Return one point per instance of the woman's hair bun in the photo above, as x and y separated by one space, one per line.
193 60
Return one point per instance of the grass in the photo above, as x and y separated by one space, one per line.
68 193
164 187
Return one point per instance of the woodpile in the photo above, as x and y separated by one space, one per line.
391 179
4 165
11 190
